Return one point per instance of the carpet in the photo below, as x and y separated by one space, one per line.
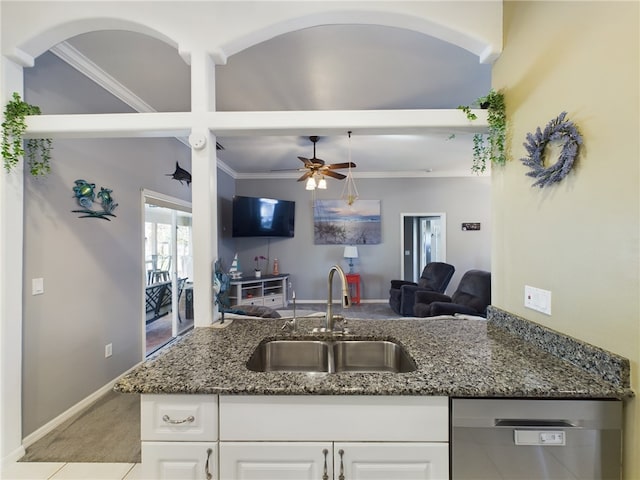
107 431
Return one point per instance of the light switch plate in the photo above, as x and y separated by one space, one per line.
37 286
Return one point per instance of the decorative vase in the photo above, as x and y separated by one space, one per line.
275 267
258 273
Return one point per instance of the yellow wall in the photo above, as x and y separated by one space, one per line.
580 238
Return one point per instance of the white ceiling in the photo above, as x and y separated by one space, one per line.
338 67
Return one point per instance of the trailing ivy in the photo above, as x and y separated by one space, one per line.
38 150
489 147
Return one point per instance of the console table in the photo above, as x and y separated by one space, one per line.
268 290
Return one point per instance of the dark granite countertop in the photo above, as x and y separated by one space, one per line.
456 357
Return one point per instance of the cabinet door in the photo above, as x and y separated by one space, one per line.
179 460
275 460
397 461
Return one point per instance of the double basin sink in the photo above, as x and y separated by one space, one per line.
330 356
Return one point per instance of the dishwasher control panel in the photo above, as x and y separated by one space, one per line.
539 437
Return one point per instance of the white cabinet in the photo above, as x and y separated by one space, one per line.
397 461
312 460
270 291
298 437
179 417
179 461
364 437
334 418
179 437
275 460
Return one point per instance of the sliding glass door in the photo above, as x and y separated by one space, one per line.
168 263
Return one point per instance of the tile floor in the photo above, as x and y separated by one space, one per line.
70 471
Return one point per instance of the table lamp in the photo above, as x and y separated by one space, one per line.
350 252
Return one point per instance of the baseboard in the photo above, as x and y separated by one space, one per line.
13 457
66 415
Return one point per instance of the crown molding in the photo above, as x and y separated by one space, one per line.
82 64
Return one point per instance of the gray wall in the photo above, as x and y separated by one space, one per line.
461 199
92 268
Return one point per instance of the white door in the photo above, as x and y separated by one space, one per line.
179 460
397 461
275 460
422 240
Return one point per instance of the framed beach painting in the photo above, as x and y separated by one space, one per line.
337 223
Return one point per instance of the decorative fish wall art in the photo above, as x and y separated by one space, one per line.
180 174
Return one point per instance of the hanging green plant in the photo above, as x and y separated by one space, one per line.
38 150
489 147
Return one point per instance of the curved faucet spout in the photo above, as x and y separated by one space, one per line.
346 298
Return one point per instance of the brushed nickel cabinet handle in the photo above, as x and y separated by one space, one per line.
341 476
167 419
208 474
325 474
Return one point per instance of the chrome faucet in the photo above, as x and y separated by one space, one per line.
291 325
346 298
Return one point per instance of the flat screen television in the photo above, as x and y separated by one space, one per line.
263 217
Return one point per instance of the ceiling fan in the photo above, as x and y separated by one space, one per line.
316 167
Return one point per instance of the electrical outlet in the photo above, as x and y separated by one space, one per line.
108 350
537 299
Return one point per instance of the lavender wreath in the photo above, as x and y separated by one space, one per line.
560 130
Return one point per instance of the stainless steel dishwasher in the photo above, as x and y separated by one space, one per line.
536 439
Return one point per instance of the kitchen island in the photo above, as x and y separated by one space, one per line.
204 412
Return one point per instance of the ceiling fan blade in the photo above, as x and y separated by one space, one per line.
305 176
335 166
337 175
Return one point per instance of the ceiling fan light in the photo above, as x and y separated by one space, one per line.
322 184
311 184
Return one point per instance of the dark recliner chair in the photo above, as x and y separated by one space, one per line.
434 278
472 297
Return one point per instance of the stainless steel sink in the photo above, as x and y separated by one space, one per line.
330 356
371 356
290 356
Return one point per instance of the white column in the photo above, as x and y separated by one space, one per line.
11 221
204 190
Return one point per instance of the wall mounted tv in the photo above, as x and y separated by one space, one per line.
263 217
